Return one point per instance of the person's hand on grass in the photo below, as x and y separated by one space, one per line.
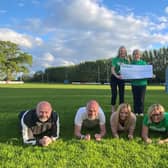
97 137
116 136
130 137
148 140
161 142
87 137
45 141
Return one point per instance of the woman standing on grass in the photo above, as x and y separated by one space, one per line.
138 86
157 120
123 120
116 78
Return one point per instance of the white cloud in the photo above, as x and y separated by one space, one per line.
86 30
10 35
49 60
82 30
48 57
22 40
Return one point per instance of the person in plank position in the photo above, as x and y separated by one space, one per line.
39 126
89 117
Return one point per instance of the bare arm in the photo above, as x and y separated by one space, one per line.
114 129
132 127
145 131
114 73
77 131
102 130
163 141
131 133
99 136
78 134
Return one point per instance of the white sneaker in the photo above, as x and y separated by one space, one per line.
141 114
136 114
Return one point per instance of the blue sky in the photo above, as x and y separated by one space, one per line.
67 32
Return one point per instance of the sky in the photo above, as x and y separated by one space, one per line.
68 32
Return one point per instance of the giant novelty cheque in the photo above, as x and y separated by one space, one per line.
136 71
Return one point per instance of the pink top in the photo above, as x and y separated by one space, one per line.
116 126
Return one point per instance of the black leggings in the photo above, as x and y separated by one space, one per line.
139 97
114 83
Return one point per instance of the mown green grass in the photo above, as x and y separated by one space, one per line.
69 152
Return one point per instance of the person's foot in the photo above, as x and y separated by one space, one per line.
141 114
136 114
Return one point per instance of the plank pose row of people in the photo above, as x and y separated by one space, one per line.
40 126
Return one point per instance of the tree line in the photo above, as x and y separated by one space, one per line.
13 61
100 70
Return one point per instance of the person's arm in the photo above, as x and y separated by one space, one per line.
113 124
163 141
132 127
145 131
102 133
27 134
55 127
46 140
78 134
78 124
102 121
114 73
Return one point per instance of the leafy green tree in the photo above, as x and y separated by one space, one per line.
13 60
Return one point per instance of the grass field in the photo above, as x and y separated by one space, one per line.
68 152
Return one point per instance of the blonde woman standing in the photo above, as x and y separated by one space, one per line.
138 86
117 83
123 120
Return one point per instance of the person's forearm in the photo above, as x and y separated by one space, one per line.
102 133
165 140
145 138
79 135
131 132
114 132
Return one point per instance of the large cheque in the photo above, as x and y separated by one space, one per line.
136 71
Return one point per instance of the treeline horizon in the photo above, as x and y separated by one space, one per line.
100 70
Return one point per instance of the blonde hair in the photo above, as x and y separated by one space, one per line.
120 107
119 50
135 51
154 107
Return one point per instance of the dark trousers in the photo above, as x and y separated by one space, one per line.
138 98
117 84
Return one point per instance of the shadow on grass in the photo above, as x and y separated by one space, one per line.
9 130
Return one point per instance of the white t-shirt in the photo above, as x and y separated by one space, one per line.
82 115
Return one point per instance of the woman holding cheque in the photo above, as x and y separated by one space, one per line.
138 86
138 72
117 83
